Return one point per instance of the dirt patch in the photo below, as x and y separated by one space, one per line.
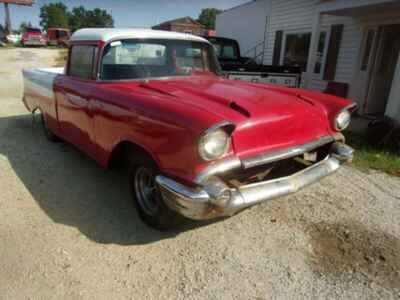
350 247
26 56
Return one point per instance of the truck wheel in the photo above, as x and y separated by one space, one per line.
148 199
47 131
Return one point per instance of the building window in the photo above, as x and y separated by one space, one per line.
320 52
296 50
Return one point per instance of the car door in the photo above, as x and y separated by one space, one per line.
74 94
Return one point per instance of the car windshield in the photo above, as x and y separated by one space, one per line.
137 59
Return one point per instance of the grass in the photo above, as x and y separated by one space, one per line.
369 157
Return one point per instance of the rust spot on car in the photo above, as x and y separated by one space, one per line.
351 248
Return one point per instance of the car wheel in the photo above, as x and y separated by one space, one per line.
148 199
47 131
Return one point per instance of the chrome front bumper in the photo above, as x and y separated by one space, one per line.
214 199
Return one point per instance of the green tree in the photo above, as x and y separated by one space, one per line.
54 15
99 18
207 17
77 18
58 15
82 18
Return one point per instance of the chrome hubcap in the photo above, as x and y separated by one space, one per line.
146 191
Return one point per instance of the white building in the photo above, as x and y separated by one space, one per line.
355 42
247 24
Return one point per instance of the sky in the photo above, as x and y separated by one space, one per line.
126 13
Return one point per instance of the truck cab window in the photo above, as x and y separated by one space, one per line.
229 52
225 49
82 61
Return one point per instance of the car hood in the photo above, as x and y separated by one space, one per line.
267 118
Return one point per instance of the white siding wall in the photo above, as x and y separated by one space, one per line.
291 16
349 49
296 16
245 23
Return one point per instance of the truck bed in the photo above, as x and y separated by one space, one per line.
38 86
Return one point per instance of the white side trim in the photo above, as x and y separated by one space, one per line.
41 80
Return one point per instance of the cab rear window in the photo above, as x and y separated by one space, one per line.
82 61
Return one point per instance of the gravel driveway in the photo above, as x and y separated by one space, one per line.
68 229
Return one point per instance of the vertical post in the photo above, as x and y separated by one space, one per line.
313 48
8 18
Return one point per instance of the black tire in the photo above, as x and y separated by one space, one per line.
50 136
150 204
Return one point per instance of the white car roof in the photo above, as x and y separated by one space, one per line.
110 34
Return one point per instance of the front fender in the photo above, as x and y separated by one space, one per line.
331 105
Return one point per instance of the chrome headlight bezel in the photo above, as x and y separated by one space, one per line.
215 142
342 120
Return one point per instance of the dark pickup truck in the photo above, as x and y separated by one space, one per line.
237 67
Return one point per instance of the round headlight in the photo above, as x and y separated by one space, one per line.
342 120
214 144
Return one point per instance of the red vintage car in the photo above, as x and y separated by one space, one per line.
33 37
58 36
197 145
